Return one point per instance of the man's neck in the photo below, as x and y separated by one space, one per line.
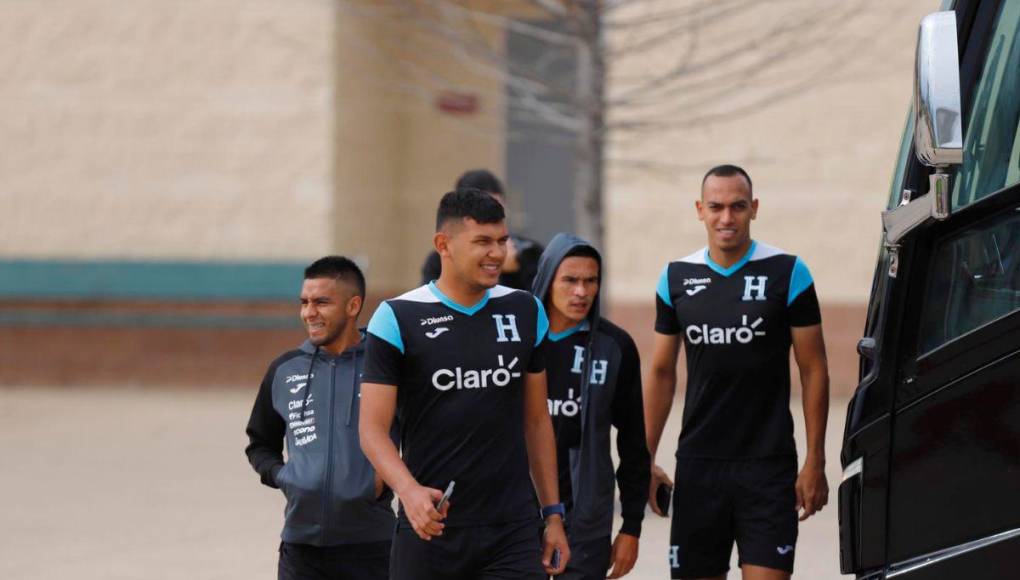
348 338
466 295
558 322
727 258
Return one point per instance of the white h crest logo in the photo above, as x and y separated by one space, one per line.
505 323
578 360
754 284
599 368
674 556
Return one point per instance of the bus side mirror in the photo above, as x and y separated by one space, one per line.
938 127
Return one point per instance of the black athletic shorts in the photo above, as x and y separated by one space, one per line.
715 503
511 550
589 559
368 561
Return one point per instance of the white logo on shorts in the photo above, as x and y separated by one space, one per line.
784 550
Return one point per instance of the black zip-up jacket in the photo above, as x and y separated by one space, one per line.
310 398
614 399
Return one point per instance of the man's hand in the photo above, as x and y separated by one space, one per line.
554 538
812 490
659 477
420 506
625 552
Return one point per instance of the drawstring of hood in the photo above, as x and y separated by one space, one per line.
308 386
354 388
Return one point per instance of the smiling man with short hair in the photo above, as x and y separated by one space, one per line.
338 518
459 362
737 305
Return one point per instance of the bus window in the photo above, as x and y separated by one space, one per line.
991 150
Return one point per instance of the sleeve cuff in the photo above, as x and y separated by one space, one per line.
273 471
631 527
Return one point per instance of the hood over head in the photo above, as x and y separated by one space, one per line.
561 245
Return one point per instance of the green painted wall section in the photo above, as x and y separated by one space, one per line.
173 281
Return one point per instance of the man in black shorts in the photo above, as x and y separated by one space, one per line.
459 361
594 384
522 253
339 519
738 305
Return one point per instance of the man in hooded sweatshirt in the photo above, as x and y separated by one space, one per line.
594 383
339 521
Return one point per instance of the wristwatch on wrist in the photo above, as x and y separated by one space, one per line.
554 509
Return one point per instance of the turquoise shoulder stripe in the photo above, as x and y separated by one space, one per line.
384 325
543 322
663 288
800 280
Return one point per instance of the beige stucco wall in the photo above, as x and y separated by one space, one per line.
264 130
157 129
821 159
397 153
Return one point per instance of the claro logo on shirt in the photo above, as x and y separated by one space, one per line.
458 378
743 334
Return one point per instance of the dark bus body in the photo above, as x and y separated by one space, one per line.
931 451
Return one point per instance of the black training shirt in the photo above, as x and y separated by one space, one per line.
459 373
735 324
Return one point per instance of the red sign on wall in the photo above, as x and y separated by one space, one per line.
457 103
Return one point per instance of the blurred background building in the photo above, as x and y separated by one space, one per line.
169 167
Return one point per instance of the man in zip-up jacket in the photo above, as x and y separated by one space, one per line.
594 384
338 521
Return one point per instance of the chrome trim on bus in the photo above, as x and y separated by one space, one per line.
855 468
915 564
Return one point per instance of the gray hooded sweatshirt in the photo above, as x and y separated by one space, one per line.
607 380
310 398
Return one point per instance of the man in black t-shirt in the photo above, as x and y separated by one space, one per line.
594 384
460 363
738 305
522 253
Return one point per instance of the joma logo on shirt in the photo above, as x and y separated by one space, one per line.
705 334
458 378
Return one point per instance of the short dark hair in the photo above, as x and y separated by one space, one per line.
583 252
337 268
727 170
469 203
482 179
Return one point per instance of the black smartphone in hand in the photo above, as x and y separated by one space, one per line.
663 494
554 562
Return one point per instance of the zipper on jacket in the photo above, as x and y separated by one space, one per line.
354 389
327 492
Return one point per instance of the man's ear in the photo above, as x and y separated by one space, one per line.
754 208
441 242
354 306
701 210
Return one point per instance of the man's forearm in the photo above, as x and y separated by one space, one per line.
815 383
384 456
542 458
658 396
